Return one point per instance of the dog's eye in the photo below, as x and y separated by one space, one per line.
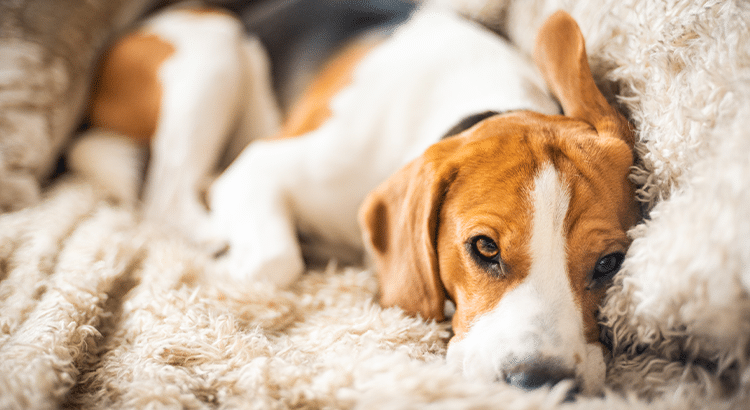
486 254
486 247
606 267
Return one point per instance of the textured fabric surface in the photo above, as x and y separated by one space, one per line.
48 50
98 310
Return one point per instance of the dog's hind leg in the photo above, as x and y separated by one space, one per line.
202 86
260 116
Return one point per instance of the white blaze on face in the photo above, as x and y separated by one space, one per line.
538 321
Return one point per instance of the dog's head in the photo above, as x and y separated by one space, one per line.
521 221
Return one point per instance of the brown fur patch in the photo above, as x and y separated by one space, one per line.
601 210
208 11
126 92
312 109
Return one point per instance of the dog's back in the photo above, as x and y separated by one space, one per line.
403 97
300 36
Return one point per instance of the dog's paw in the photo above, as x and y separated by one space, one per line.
278 267
205 237
182 213
194 224
111 161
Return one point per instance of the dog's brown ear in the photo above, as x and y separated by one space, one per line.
399 223
560 54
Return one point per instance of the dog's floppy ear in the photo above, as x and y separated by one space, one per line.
399 222
560 54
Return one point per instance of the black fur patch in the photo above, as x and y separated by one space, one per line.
468 122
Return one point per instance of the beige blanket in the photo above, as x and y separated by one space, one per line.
98 310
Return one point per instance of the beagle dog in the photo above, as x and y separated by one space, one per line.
470 188
438 150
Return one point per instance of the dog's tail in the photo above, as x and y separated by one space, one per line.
114 162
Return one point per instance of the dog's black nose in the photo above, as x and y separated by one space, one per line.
533 377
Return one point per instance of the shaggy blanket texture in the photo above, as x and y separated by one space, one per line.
100 310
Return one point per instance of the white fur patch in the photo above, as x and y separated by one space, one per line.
539 319
217 96
112 161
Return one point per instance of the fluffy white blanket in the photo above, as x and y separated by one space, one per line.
98 310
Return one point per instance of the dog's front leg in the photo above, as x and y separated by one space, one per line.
250 206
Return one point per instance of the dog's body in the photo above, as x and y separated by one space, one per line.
501 216
403 97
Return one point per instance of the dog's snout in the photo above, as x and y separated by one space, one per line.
535 376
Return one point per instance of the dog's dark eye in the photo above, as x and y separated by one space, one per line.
486 248
486 254
606 267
